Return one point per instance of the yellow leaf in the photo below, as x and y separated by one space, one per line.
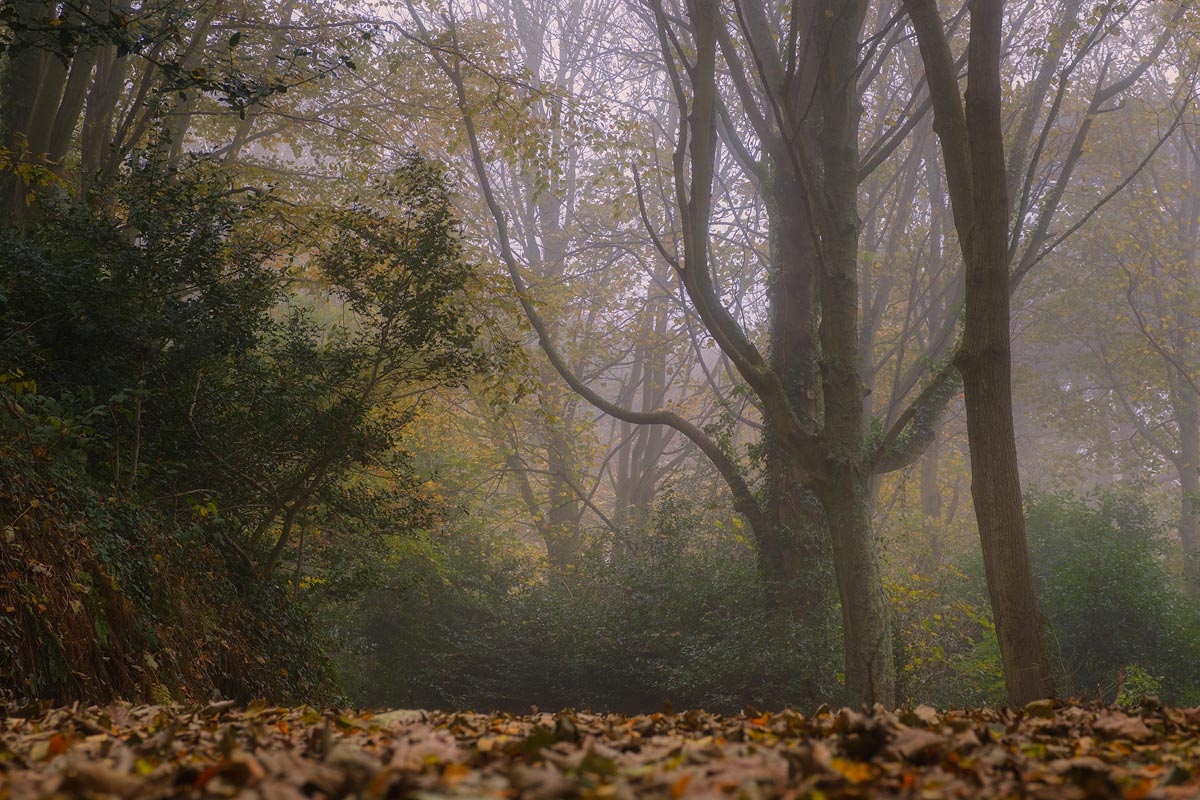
853 771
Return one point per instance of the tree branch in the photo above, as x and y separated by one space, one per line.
743 498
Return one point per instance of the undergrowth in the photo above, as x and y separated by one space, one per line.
102 599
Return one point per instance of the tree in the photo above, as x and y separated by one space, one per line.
89 82
574 235
820 433
971 132
753 120
222 366
220 388
1127 380
341 397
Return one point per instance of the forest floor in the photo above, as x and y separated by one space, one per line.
1047 750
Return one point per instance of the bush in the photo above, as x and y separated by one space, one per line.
947 651
106 599
1114 610
675 614
189 463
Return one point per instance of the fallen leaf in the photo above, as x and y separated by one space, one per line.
1041 709
1119 725
918 745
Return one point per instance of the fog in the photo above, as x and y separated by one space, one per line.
836 351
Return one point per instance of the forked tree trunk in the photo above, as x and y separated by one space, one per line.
844 485
794 555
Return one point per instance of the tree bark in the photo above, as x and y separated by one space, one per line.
866 613
1184 395
96 146
74 94
985 362
794 558
995 487
639 457
794 555
844 486
972 136
24 71
1188 466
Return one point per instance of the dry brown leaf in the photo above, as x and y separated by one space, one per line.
1116 724
918 745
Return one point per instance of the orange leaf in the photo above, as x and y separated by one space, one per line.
58 744
208 774
454 773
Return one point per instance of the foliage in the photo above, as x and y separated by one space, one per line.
1119 624
948 653
208 389
1118 617
106 598
1136 686
673 614
199 432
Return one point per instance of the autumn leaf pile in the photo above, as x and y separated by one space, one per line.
1044 751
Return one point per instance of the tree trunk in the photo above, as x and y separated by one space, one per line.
985 363
793 554
1184 397
96 146
565 513
1188 465
638 467
844 486
794 557
930 559
866 615
972 138
74 94
996 490
51 79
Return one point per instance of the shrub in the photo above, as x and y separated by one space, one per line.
187 449
674 614
1110 601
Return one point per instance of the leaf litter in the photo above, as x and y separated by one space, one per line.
1047 750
